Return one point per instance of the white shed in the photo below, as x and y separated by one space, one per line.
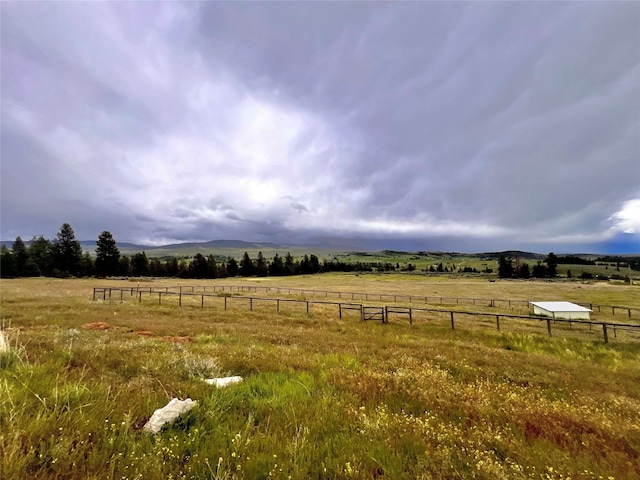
561 310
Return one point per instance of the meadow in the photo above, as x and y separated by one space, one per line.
323 397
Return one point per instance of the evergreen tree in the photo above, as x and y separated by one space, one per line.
8 267
232 267
539 270
20 255
199 267
315 264
183 269
247 268
222 271
276 268
107 255
305 265
140 265
289 265
124 266
86 265
172 267
262 269
157 268
212 267
40 252
67 252
552 265
523 271
505 267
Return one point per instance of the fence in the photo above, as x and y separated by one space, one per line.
387 297
365 312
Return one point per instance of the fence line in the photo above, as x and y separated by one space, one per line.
366 312
375 296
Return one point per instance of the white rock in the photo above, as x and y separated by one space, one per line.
168 414
224 381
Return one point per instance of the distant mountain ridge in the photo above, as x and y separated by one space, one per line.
236 247
207 244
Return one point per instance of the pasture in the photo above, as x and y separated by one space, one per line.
323 397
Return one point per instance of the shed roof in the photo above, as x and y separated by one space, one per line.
561 307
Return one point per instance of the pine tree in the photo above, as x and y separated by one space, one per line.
67 252
289 265
305 264
552 265
86 265
172 268
140 265
539 270
232 267
261 266
20 255
247 268
199 267
124 266
222 271
505 267
7 263
107 255
212 267
276 268
40 252
315 264
523 271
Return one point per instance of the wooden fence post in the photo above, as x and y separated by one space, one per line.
410 316
498 322
452 324
604 332
180 298
225 303
307 308
549 326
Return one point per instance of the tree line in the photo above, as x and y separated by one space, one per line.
512 268
63 257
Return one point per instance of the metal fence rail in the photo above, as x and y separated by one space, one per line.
366 312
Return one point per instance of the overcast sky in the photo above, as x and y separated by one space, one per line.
431 126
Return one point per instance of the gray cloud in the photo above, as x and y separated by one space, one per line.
434 124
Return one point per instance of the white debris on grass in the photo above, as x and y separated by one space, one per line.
4 345
168 414
224 381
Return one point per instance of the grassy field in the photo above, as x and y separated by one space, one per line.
322 397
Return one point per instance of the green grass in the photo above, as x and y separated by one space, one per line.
322 398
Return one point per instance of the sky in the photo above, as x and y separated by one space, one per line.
447 126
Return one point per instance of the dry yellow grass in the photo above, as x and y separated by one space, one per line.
323 397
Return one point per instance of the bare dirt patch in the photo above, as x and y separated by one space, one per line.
96 326
144 333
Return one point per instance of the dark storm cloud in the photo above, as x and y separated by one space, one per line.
466 124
